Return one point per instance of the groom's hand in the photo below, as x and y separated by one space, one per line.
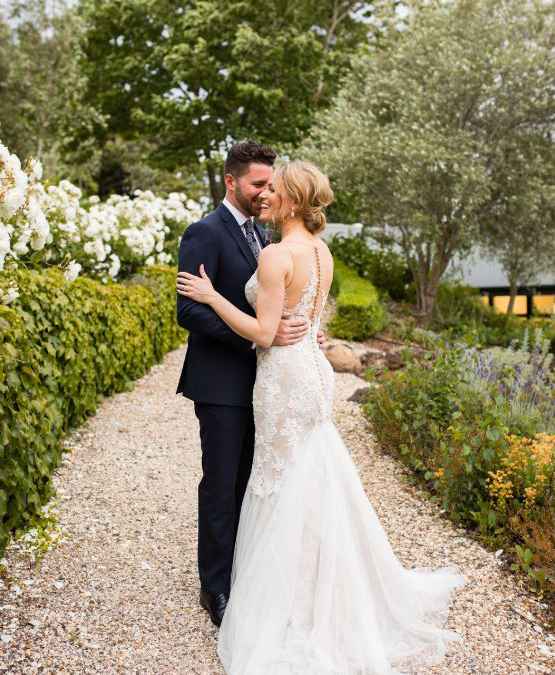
290 331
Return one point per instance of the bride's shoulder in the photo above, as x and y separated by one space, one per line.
323 245
324 249
274 254
275 258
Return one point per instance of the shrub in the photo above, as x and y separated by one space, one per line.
62 347
411 412
460 314
535 555
359 311
110 239
478 429
386 270
458 304
406 329
525 473
522 377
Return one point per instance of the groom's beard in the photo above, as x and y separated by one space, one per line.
250 206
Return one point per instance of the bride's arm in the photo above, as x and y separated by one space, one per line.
273 266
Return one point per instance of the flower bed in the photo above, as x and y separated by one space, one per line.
53 225
63 346
478 427
359 313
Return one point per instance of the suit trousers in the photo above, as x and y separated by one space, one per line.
227 442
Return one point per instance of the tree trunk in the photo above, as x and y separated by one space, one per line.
216 188
421 274
427 284
426 293
430 294
512 296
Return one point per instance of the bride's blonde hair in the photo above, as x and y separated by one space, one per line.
307 189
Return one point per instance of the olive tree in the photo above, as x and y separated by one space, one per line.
520 230
416 138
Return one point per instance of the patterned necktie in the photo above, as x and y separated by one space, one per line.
251 238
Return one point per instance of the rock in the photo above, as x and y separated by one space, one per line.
360 395
371 356
394 360
343 359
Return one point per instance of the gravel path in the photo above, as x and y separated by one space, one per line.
119 594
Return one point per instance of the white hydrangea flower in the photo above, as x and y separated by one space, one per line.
13 200
9 295
114 268
21 246
72 271
164 258
4 153
70 227
5 244
35 167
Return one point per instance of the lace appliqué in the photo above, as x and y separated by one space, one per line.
293 392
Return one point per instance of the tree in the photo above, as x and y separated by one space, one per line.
123 170
42 113
520 230
192 76
415 139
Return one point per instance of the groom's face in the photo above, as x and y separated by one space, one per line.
247 188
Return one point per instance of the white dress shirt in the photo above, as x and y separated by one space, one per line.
241 219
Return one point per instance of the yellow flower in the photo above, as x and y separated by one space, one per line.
526 468
531 494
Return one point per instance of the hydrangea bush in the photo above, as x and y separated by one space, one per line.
54 225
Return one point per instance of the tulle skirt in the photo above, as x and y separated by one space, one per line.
316 588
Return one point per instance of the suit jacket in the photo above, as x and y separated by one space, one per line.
220 366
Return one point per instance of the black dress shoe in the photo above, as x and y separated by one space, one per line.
215 605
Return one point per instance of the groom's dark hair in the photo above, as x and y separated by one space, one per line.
241 155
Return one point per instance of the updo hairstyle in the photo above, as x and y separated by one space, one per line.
307 191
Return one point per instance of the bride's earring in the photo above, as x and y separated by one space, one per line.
292 213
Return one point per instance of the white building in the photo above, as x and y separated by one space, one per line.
486 275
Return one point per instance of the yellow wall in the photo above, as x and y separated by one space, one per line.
545 303
501 303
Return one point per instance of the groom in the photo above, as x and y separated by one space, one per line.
220 366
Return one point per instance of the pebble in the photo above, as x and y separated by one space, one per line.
119 593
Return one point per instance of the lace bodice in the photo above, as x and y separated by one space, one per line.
306 303
293 391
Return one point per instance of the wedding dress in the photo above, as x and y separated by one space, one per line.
316 588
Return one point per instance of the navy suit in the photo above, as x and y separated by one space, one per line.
218 375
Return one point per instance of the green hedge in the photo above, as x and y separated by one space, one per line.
359 314
385 269
63 346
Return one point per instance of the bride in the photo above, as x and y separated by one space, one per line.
316 588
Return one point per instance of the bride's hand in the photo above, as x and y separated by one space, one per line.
199 288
